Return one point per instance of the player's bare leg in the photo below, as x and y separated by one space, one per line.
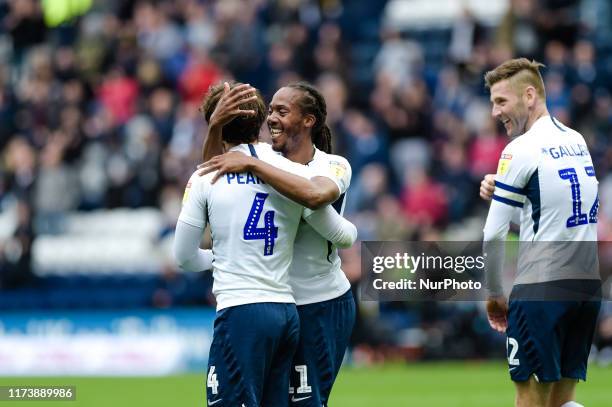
532 394
562 392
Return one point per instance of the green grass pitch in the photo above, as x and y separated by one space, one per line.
468 384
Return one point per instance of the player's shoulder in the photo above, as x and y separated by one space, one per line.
524 145
331 160
200 180
265 152
264 147
519 155
549 126
338 160
575 133
335 166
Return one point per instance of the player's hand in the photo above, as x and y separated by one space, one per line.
487 187
497 313
228 106
233 161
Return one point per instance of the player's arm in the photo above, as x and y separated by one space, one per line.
346 233
312 193
213 145
190 227
494 248
228 108
187 252
487 189
495 233
333 227
516 165
505 200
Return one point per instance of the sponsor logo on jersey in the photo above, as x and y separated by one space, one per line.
338 169
296 399
504 164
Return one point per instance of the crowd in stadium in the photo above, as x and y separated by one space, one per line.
102 112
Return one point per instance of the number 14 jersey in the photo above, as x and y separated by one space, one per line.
548 172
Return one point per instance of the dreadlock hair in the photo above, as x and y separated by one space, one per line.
242 129
312 102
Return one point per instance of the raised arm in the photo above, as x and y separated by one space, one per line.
226 109
312 193
213 145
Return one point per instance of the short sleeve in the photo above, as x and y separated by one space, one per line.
335 168
194 210
341 171
516 166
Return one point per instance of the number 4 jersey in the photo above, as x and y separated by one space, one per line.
549 174
253 228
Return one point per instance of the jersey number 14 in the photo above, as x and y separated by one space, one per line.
578 218
269 232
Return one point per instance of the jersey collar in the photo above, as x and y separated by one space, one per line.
542 121
317 154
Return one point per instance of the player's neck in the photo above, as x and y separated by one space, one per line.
539 112
304 152
227 146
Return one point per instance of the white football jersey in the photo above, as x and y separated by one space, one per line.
549 174
253 228
316 273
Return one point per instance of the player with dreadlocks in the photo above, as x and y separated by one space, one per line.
296 120
253 228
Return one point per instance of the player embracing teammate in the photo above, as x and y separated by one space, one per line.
326 308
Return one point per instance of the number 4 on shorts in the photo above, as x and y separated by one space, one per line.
211 381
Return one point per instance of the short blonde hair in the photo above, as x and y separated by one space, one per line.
521 72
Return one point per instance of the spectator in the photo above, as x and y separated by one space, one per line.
424 201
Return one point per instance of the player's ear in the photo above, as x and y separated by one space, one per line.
530 96
309 121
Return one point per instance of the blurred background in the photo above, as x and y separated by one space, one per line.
100 130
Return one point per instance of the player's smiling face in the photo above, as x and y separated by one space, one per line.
509 108
285 120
